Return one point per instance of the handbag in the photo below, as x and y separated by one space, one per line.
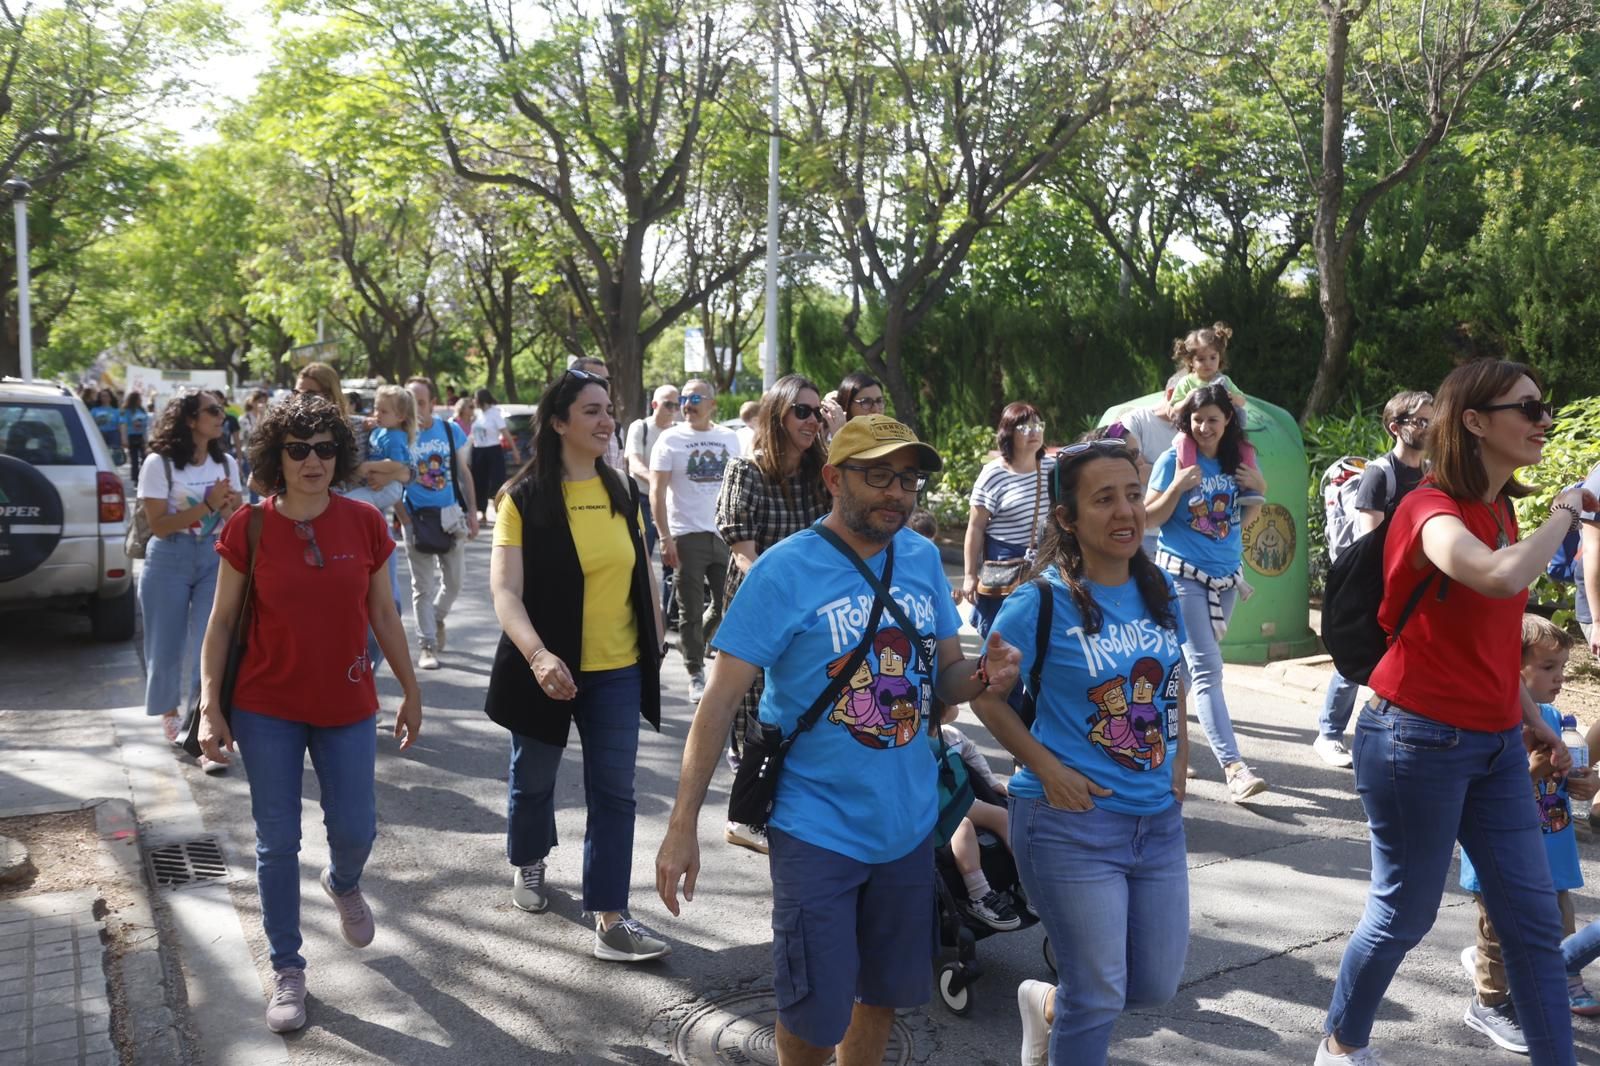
241 638
137 538
755 784
1000 577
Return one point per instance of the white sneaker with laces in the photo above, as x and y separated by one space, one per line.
212 766
697 688
527 888
741 835
1031 999
427 660
1361 1056
1333 752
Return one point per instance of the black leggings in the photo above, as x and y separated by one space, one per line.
488 474
135 457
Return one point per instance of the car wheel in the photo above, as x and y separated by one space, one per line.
111 618
30 518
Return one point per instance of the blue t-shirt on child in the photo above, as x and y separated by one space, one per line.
389 444
862 781
1204 528
1555 819
434 458
1109 701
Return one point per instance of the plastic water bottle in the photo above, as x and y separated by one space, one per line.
1578 748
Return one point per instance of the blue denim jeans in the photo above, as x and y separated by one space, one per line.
1581 948
176 588
344 757
606 710
1202 654
1424 785
1337 707
1113 893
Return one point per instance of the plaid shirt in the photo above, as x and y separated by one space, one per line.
751 507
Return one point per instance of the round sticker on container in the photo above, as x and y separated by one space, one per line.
1269 541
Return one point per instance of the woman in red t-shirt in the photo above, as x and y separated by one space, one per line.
305 681
1441 752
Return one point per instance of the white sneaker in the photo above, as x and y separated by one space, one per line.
1333 752
697 688
212 766
753 837
1031 999
427 660
1361 1056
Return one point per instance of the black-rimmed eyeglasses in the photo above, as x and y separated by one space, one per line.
881 477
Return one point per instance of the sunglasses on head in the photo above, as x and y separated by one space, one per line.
1534 411
299 449
1107 446
807 411
586 377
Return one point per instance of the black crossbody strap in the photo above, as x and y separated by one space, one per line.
842 678
880 586
1041 639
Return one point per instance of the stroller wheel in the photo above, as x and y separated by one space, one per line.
1050 956
954 989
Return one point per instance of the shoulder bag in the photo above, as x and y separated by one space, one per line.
1000 577
241 637
137 539
755 785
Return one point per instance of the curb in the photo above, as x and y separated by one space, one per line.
1311 673
149 1027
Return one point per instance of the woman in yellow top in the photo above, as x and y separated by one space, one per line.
584 644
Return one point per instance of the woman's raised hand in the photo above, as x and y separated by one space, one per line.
1578 498
833 414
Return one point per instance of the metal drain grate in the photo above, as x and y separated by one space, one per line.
737 1030
176 865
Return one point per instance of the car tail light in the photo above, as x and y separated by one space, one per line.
113 504
116 573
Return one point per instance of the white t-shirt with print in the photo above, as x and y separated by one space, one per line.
187 488
486 428
696 460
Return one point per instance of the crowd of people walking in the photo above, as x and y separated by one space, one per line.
819 637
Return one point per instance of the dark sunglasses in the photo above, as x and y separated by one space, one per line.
694 399
313 554
299 449
1534 411
586 377
880 477
806 411
671 405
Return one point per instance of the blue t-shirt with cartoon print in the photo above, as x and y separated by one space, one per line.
862 781
1555 820
390 444
1109 703
1204 528
434 458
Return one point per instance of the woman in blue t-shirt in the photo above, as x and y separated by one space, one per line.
1197 509
135 426
1096 812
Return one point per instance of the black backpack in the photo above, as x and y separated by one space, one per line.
1041 646
1354 590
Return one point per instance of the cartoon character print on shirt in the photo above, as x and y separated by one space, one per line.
1555 814
430 472
880 706
1132 732
1211 507
707 464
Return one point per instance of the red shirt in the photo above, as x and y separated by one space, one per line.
1458 660
307 656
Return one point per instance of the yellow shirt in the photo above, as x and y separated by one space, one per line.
605 551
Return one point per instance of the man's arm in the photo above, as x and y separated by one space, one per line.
658 511
679 855
468 490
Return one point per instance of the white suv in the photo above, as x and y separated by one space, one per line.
63 511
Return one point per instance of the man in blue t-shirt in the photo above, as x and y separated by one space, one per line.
850 839
443 461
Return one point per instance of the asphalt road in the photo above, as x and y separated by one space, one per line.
457 975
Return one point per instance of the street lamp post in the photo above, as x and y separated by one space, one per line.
19 189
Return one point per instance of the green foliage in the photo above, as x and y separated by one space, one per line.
1327 438
964 450
1571 450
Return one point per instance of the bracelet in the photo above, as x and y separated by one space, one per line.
1571 510
982 672
535 655
207 502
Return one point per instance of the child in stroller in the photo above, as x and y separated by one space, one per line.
979 892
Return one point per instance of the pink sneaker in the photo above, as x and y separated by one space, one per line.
355 917
170 724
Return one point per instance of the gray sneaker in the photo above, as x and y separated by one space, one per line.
697 687
438 634
630 940
1498 1024
287 1011
355 917
527 888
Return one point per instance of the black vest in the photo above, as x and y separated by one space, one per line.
552 592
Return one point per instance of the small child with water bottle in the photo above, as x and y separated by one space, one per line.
1545 647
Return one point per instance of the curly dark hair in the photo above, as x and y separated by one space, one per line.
300 417
173 436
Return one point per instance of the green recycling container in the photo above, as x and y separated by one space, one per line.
1275 622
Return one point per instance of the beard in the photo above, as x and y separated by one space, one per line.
858 518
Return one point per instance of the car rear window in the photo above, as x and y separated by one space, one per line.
46 434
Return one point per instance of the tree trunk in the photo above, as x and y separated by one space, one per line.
884 360
504 338
1332 256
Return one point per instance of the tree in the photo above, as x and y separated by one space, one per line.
1395 78
923 121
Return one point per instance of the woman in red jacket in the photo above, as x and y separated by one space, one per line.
1441 752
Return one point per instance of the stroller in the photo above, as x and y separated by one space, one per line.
961 932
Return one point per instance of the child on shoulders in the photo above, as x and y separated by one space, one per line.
1201 357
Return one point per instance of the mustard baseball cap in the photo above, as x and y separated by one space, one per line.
875 436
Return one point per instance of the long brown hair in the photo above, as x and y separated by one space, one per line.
327 378
1005 435
1060 549
772 444
1453 450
